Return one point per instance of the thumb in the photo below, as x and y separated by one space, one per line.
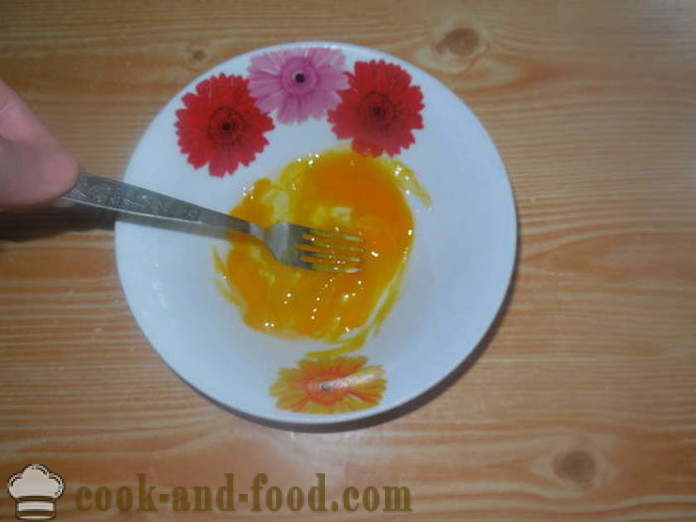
34 168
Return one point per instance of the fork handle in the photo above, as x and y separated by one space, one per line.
110 194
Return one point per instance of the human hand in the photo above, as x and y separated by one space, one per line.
34 167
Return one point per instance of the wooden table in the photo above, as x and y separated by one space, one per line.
582 405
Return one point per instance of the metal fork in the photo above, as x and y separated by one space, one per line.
295 245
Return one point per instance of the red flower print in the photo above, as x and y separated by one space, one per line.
221 125
379 109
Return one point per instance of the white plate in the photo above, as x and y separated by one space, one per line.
460 266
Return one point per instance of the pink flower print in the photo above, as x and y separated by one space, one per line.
298 83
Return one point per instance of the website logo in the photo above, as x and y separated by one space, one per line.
35 490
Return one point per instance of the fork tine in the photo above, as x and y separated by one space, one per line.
314 242
336 269
324 250
331 257
327 258
330 234
337 251
330 261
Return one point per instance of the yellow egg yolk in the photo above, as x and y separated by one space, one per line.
336 190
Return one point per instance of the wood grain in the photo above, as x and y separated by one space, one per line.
583 404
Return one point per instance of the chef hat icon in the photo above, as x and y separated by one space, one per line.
35 489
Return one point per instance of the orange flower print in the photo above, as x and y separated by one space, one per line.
335 385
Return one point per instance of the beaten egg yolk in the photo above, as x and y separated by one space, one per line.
336 190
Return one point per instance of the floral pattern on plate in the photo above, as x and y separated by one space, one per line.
329 385
221 126
379 110
223 123
298 83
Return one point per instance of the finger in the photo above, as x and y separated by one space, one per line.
33 173
34 167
